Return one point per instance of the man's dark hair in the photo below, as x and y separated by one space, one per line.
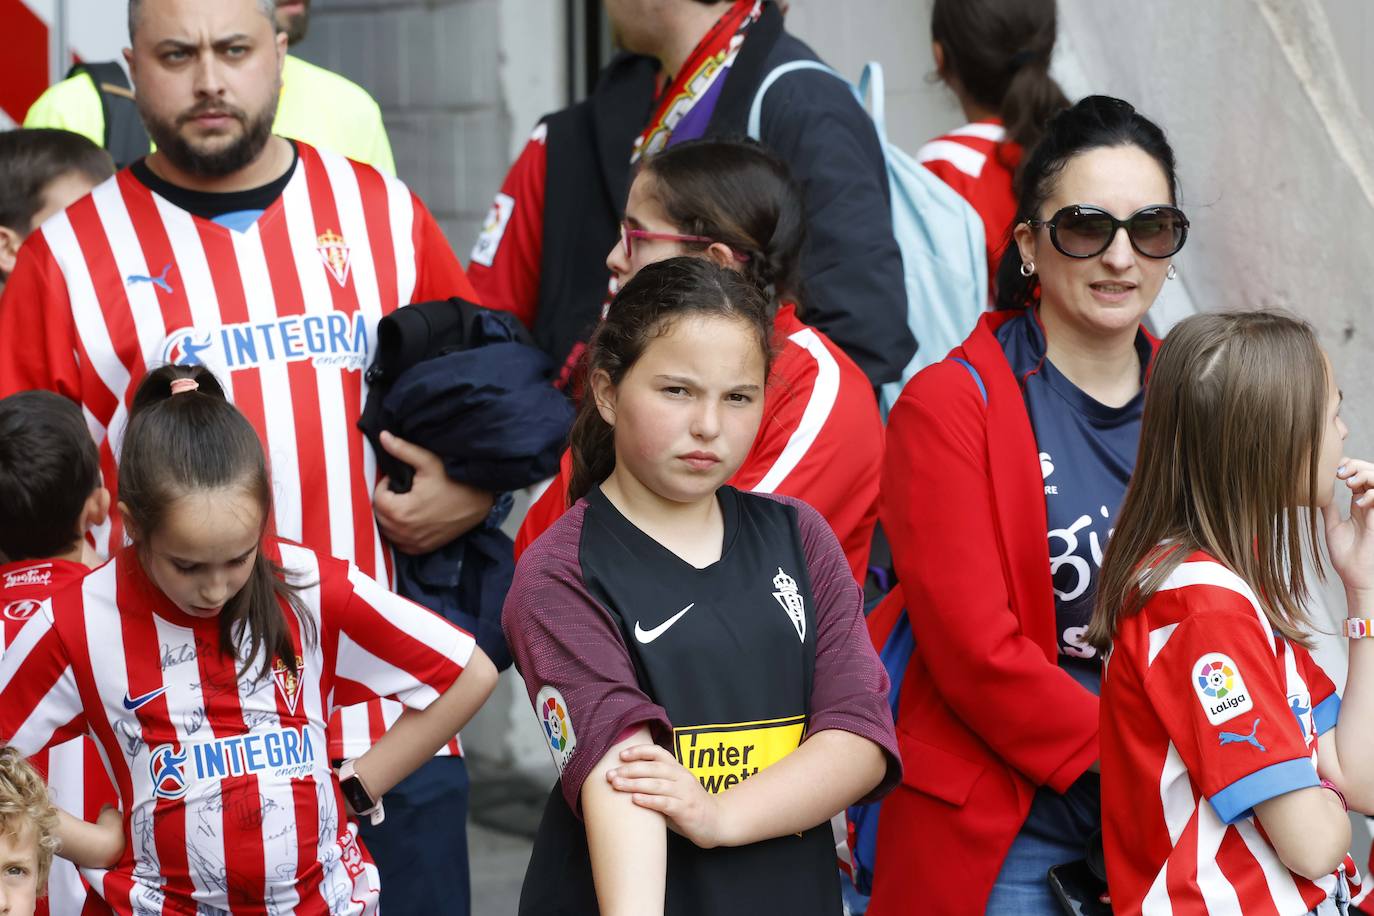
48 469
31 158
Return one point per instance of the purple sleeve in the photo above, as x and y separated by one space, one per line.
849 689
576 668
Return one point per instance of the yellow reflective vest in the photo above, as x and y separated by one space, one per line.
317 106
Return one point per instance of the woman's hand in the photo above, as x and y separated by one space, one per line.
1350 540
655 780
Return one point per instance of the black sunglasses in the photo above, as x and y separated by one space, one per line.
1085 232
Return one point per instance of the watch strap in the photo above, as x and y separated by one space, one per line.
1359 627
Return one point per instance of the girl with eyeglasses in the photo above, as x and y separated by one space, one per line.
1005 466
1227 756
821 438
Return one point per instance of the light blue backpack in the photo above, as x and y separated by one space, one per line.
944 256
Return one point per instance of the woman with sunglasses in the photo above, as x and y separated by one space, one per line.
1005 466
821 438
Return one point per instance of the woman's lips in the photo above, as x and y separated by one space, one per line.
1112 290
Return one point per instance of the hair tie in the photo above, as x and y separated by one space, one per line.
1021 58
183 385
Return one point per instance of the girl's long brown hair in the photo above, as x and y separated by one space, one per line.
1234 412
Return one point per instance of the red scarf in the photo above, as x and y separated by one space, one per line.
708 60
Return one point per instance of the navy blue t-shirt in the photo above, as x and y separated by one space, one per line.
1087 453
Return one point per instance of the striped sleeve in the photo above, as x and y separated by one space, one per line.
1325 700
1216 688
38 347
389 646
39 702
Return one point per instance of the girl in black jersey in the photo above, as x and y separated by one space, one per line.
696 655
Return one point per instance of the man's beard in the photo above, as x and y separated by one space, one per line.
220 162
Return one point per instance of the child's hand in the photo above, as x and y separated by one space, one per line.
98 845
1350 540
660 783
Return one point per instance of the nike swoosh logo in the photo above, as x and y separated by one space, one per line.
648 636
138 702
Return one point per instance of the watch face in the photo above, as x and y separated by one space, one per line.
357 796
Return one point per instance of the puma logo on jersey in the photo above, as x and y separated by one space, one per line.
160 281
648 636
1233 738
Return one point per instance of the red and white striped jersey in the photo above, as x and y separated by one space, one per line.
230 804
820 440
285 314
1206 712
76 775
977 161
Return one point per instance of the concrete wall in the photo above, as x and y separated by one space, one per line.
458 81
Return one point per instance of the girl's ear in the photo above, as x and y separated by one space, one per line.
603 391
937 51
722 255
128 521
1025 239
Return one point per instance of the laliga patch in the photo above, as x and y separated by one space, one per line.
493 230
1220 688
557 724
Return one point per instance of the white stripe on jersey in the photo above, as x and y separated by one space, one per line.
62 695
428 628
1216 891
85 306
1159 638
205 852
1212 573
964 158
196 278
348 202
817 412
106 650
1176 797
282 449
401 205
129 262
994 132
314 281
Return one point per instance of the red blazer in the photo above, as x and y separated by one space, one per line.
986 714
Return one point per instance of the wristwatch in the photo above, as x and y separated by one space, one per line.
357 796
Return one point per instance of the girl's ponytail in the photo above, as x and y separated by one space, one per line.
999 52
1032 98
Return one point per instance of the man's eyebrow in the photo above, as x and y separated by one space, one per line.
182 44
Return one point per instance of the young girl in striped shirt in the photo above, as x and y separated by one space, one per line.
205 660
1228 759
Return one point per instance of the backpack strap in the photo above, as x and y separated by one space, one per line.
756 109
126 139
977 379
872 87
